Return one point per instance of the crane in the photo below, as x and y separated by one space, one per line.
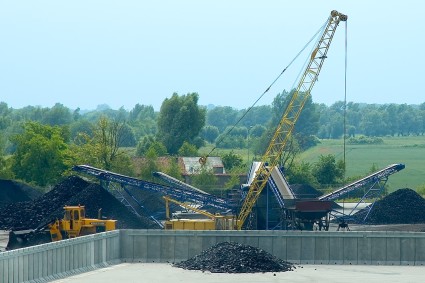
290 116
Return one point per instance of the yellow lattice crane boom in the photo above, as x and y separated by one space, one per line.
290 116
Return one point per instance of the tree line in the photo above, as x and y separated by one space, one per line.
41 144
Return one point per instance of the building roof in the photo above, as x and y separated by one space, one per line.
191 165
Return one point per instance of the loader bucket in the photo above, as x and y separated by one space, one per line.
27 238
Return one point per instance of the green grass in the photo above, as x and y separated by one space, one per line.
360 158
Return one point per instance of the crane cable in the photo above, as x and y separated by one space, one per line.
203 159
345 94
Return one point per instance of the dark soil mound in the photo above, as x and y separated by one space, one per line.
232 257
12 191
404 206
305 191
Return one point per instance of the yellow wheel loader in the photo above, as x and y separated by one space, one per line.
73 224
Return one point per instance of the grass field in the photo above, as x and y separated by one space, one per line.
360 158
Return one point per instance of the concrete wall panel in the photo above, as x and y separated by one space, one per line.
350 250
408 251
68 257
308 250
378 245
336 250
167 248
420 256
322 250
364 252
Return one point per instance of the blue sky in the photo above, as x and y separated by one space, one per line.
86 53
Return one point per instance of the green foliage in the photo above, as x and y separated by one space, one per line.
234 181
180 119
205 179
421 190
144 145
327 171
41 154
231 160
256 131
57 115
236 138
365 140
210 133
81 126
5 172
188 150
150 165
103 149
301 173
173 169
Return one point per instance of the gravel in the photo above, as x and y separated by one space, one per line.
231 257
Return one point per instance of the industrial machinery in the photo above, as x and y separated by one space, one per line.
73 224
286 125
191 221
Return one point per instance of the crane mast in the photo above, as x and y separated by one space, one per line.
290 116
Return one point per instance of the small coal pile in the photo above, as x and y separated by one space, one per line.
233 257
305 191
403 206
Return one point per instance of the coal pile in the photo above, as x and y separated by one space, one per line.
305 191
72 191
233 257
13 191
403 206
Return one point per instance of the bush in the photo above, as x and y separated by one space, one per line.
365 140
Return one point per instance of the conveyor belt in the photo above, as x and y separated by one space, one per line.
175 193
381 174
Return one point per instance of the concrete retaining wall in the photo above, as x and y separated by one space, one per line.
68 257
371 248
60 259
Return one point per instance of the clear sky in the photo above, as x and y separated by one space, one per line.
85 53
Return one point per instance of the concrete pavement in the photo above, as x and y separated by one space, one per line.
160 272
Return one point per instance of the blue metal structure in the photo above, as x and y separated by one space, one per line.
376 182
178 194
175 182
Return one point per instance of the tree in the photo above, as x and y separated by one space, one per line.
301 173
231 160
327 171
174 169
41 155
58 115
205 179
103 149
180 119
5 172
188 150
222 117
210 133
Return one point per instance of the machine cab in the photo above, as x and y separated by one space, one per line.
73 219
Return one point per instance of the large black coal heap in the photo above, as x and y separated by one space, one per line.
71 191
12 191
231 257
403 206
